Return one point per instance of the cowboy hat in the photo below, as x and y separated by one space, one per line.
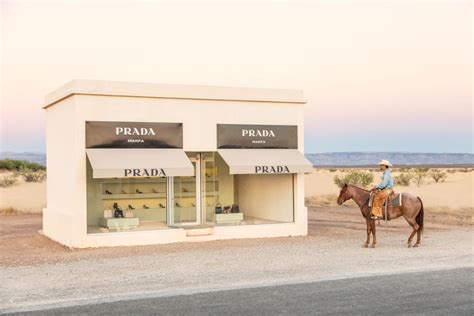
385 163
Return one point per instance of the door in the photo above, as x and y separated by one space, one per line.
193 198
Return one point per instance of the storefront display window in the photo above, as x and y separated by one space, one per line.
247 199
126 203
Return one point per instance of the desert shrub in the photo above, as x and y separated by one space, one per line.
466 169
33 176
405 169
438 175
8 180
8 210
332 170
419 175
358 178
451 171
403 179
17 165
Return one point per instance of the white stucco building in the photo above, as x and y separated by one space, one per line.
139 163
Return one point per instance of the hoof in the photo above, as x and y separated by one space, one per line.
366 245
417 245
409 245
372 246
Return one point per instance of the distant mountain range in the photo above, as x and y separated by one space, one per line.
330 159
396 158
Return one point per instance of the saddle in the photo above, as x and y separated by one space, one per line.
393 200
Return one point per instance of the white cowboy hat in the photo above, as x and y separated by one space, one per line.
385 163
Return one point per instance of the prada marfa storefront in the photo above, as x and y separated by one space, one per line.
136 163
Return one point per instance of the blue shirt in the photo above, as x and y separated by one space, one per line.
387 181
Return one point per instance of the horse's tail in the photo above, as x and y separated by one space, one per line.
420 217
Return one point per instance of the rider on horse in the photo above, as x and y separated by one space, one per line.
384 189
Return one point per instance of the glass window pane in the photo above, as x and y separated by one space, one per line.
185 199
125 203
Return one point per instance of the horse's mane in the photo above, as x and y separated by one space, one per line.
358 188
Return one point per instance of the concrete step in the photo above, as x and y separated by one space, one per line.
199 231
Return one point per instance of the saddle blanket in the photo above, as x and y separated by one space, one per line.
393 199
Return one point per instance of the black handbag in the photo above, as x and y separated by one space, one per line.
235 208
218 208
118 212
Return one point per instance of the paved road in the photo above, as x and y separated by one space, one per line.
438 292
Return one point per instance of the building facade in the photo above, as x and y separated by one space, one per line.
136 163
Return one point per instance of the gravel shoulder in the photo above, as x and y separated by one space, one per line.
37 272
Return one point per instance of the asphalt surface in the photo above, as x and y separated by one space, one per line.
444 292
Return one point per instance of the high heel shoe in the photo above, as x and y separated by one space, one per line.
177 204
145 207
153 190
108 192
130 207
138 191
162 206
123 192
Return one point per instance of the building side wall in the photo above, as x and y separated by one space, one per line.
60 217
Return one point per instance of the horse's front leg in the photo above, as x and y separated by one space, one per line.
367 241
374 237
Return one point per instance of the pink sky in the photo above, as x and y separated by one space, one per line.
378 75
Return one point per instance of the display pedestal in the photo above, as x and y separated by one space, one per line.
229 218
120 223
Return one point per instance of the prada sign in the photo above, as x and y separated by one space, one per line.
133 135
272 169
257 136
144 173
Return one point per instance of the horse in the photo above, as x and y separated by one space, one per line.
411 209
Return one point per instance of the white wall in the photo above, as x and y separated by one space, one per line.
267 196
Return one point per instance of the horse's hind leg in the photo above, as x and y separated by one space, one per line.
418 238
415 227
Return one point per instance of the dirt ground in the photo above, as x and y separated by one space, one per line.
21 244
36 272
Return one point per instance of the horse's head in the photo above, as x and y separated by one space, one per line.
344 195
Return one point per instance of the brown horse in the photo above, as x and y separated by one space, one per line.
411 210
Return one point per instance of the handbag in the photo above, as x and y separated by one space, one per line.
107 213
218 208
118 213
235 208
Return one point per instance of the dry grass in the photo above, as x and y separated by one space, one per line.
324 200
8 210
14 211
